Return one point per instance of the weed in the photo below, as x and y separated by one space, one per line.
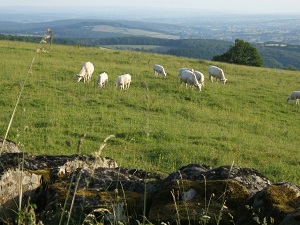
27 215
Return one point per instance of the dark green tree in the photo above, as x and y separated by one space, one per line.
242 53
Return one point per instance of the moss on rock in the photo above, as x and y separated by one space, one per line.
212 199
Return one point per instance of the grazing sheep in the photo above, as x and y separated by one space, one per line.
294 96
189 78
182 69
123 81
102 79
86 72
199 75
158 69
216 72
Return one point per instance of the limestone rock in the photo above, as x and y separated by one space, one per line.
9 146
22 174
278 204
250 178
85 189
100 190
188 202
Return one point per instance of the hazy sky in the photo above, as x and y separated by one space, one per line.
254 6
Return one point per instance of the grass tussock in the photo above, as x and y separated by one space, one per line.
158 124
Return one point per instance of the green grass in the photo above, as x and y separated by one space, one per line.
159 125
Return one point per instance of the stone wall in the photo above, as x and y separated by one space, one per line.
83 189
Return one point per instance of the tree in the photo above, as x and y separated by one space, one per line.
242 53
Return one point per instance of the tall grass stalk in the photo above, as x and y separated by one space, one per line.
175 205
17 103
66 200
73 198
206 204
29 208
145 200
21 188
183 190
97 156
29 72
224 200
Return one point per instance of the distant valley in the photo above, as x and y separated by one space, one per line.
276 37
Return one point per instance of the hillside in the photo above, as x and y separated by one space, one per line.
158 125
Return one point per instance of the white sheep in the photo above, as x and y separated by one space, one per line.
182 69
158 69
86 72
123 81
102 79
189 78
199 75
216 72
294 96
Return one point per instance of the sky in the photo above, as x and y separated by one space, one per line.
251 6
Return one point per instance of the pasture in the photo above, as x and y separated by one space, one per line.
158 125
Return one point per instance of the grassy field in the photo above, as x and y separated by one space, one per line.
158 125
144 48
130 31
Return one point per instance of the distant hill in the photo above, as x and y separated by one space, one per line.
145 36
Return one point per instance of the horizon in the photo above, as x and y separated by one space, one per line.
255 6
155 8
137 13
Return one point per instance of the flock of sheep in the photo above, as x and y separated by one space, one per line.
186 75
87 70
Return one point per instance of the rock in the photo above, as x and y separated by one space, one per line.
276 204
201 184
35 173
115 192
206 200
249 178
15 183
84 189
9 146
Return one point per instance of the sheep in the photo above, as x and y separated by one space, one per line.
199 75
158 69
123 81
188 77
294 96
86 72
216 72
102 79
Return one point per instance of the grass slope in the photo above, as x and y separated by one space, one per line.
158 124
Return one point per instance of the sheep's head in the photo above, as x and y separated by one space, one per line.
224 80
78 77
198 86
